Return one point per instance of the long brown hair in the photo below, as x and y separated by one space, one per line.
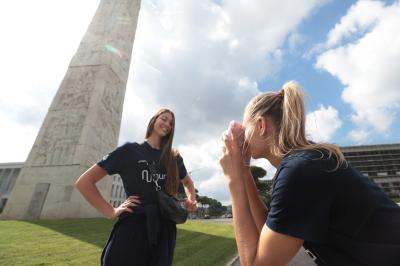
286 110
168 154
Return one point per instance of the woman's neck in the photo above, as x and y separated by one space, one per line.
273 157
275 160
154 141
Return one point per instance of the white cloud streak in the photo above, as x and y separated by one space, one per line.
322 124
39 39
363 53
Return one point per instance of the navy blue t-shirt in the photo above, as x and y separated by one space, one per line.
342 216
131 161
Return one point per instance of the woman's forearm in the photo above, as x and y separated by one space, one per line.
93 196
86 184
258 209
246 232
189 188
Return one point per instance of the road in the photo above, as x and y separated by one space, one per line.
301 259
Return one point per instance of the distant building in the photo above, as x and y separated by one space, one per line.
381 163
10 171
118 194
8 175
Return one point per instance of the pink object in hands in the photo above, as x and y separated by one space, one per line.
237 129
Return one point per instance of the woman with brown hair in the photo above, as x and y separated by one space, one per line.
318 200
141 236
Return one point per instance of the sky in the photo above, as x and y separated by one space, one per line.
205 60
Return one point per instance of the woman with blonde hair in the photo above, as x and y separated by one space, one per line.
141 236
318 200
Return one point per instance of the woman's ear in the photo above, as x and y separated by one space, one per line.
262 124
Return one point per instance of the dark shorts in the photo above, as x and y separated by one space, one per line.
128 244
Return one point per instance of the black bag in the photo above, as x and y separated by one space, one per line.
170 206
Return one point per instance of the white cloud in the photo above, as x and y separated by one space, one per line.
202 161
294 41
322 124
359 19
215 187
16 140
366 59
203 156
359 136
38 42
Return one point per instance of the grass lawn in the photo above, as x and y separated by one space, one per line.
80 242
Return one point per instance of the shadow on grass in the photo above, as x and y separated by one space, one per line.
199 248
91 230
192 248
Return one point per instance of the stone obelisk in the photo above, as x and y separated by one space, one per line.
83 121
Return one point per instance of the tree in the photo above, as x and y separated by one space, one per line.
203 200
215 207
262 186
257 172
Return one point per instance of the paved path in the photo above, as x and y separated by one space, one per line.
301 258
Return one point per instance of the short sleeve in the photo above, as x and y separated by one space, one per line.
181 167
301 200
112 163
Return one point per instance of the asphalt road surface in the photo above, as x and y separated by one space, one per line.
301 258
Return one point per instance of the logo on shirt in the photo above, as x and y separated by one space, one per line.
149 177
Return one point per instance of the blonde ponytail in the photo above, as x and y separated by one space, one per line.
286 110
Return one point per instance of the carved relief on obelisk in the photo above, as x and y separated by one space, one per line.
83 121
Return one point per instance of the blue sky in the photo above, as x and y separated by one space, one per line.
322 87
205 60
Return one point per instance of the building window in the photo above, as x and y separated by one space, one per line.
115 191
16 172
396 184
382 174
2 204
6 172
11 179
387 190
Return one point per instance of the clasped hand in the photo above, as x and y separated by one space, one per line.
235 153
190 205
